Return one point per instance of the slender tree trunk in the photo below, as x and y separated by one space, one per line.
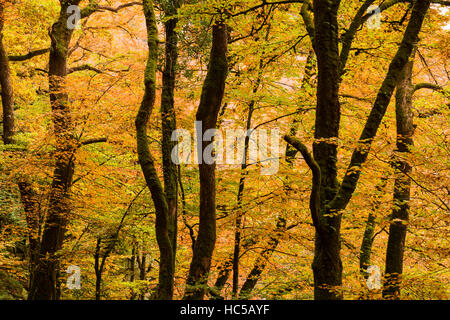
402 184
29 199
98 270
169 121
132 269
166 263
208 110
44 284
368 237
239 216
262 260
6 87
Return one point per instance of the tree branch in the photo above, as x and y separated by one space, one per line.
380 105
29 55
84 67
426 85
314 203
94 7
94 140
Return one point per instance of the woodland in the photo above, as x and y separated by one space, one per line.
94 207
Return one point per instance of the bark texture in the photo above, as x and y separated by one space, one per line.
402 184
6 87
207 113
162 224
44 286
328 198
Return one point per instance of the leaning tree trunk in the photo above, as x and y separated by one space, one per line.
44 280
6 87
263 259
162 224
402 184
208 110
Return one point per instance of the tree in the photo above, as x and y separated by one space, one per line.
6 86
164 218
402 185
207 112
328 197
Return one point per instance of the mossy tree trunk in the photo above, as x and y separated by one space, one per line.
402 185
207 113
168 116
45 277
164 234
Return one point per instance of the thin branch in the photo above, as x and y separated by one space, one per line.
94 140
29 55
426 85
84 67
314 203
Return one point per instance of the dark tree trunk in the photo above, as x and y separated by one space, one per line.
6 88
368 237
169 120
44 281
208 110
328 199
29 199
240 216
402 184
132 268
98 270
162 225
327 265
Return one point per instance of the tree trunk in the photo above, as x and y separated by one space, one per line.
44 284
208 110
368 237
262 260
162 224
402 184
29 199
290 152
331 199
6 87
169 121
240 216
98 270
327 265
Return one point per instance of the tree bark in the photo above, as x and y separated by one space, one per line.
327 204
169 120
208 110
162 224
327 265
6 87
44 281
368 236
29 199
402 184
